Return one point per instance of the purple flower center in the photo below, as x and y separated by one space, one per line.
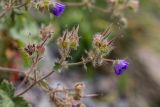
121 66
58 9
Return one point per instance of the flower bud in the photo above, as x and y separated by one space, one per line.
30 49
69 40
45 32
100 43
43 6
40 49
78 88
63 42
74 39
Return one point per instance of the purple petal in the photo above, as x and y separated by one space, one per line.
58 9
121 66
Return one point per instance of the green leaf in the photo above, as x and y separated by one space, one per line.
25 29
57 67
43 84
7 101
20 102
7 98
26 59
7 87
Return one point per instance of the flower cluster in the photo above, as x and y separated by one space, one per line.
46 32
101 47
30 49
37 50
69 41
101 44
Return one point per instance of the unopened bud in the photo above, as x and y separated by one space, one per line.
40 49
45 32
30 49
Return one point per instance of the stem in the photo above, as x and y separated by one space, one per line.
34 83
30 71
100 9
91 95
10 69
78 63
108 60
26 76
26 90
35 63
44 41
87 61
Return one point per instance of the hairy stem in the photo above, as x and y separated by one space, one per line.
10 69
34 83
78 63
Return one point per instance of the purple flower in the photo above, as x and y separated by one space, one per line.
121 66
58 9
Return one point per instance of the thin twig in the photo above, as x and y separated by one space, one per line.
27 74
26 90
87 61
108 60
78 63
99 9
34 83
45 40
91 95
5 69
